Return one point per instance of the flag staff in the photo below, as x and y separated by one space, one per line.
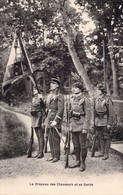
31 76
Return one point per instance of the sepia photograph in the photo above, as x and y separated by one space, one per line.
61 97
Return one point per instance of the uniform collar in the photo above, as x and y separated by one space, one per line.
77 96
101 97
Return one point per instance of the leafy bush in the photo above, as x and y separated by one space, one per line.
117 133
13 136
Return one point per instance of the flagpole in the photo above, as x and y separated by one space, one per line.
29 63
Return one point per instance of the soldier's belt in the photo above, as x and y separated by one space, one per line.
101 114
77 115
52 110
82 114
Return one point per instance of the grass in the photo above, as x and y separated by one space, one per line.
22 107
13 136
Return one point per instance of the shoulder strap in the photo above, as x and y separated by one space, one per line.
81 101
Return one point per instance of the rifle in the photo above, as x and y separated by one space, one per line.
46 141
95 136
67 142
93 145
29 152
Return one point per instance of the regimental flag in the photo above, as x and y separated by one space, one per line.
18 66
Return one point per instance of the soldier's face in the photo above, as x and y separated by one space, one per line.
72 90
35 91
76 90
53 85
99 92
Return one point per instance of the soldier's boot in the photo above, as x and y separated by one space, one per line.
41 147
57 155
107 147
56 151
83 158
51 149
77 162
102 145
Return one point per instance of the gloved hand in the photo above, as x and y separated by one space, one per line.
84 131
53 124
108 126
42 125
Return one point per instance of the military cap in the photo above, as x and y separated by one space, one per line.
101 87
79 85
55 80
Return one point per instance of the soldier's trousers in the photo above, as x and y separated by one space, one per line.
40 135
105 138
79 139
54 142
103 132
80 144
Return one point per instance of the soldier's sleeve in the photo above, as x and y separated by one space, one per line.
47 100
110 112
92 110
87 108
59 114
43 103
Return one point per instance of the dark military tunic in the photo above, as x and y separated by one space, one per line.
55 108
80 120
37 114
103 111
80 106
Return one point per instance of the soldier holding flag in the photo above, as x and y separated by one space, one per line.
37 120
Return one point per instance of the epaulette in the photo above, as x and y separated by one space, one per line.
108 99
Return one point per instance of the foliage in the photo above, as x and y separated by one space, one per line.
108 20
44 33
13 136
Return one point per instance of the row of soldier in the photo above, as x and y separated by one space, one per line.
47 116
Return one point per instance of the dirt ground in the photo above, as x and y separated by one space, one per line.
24 175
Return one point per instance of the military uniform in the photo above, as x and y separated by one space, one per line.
103 121
55 108
79 122
37 119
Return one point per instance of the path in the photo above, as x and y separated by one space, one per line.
24 175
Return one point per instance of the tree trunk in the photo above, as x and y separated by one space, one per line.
44 84
80 68
113 65
108 88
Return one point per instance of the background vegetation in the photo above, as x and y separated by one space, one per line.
14 138
58 44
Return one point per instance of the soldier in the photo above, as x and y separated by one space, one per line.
103 120
55 108
80 121
37 119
